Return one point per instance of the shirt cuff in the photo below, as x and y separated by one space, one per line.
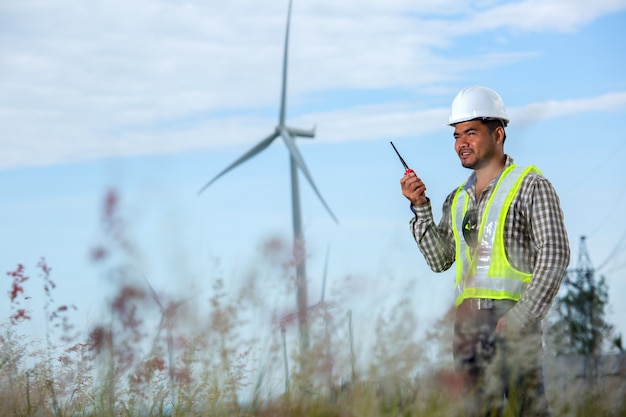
421 211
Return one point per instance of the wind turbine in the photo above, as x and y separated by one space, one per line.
288 134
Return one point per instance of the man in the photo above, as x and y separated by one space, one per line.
504 229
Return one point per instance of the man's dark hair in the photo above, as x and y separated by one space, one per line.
493 124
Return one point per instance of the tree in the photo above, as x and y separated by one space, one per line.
579 326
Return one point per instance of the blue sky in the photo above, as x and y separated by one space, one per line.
153 98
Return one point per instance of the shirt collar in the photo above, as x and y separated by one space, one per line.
471 181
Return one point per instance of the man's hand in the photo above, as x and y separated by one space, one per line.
414 189
501 327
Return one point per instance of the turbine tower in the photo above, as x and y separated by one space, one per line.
288 134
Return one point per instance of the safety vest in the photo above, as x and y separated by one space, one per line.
486 272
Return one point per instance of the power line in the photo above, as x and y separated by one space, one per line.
601 164
616 268
613 208
613 254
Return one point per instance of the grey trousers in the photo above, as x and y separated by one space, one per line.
498 372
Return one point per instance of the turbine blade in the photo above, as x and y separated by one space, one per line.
295 154
258 148
283 95
301 133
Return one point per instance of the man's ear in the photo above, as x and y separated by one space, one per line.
499 132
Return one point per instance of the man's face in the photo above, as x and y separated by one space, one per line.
475 145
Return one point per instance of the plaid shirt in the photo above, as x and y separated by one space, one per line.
535 240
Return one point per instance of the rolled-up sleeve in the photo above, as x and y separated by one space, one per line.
436 242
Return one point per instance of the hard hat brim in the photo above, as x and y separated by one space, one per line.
457 120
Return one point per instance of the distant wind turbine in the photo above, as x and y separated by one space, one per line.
288 134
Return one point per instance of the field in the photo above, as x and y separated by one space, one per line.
155 356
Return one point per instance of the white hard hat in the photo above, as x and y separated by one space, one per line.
477 102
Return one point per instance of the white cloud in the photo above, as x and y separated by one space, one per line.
375 122
540 15
551 109
111 78
359 123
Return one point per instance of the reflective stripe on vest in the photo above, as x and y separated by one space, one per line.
487 273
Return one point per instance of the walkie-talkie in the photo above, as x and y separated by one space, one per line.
408 170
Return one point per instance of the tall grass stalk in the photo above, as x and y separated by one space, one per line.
153 355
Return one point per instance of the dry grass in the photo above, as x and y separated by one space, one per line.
153 356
